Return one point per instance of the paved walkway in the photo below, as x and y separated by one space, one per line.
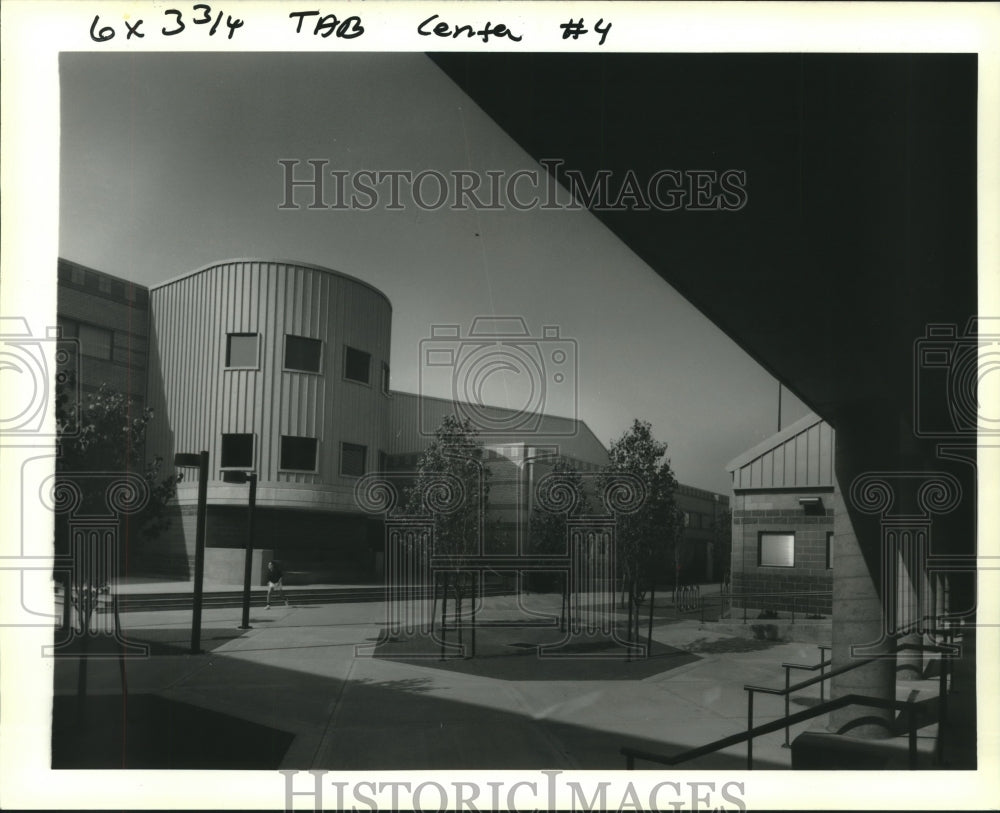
309 671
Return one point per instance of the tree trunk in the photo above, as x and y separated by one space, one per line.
444 614
649 635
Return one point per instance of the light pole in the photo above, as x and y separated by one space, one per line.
200 461
246 477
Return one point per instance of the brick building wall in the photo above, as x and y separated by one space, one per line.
109 317
758 512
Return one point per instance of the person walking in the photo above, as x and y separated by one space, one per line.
274 576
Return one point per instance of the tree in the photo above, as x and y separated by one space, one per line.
564 494
104 437
647 537
722 543
101 440
452 490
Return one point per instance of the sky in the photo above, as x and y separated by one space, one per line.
170 161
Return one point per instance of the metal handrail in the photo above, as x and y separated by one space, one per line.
632 754
945 653
785 722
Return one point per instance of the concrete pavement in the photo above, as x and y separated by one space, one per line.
303 670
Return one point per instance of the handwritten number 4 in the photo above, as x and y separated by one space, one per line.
206 18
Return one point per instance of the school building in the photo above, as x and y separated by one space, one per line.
282 368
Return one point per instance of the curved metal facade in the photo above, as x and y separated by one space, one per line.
199 396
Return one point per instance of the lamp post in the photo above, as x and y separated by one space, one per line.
200 461
251 478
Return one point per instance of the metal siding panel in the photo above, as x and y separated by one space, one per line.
779 468
825 455
801 452
767 470
813 455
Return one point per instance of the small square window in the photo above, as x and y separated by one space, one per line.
70 329
96 342
352 459
357 365
297 453
241 350
303 355
385 378
237 451
776 549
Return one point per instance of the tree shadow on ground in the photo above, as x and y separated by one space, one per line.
529 653
729 645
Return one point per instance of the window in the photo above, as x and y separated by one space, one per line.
96 342
776 549
352 459
241 350
298 454
829 550
357 365
383 462
385 378
237 451
302 354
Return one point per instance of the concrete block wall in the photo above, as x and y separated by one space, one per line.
756 512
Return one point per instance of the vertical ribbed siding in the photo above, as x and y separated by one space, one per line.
198 399
805 459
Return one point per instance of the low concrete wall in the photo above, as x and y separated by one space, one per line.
225 565
779 629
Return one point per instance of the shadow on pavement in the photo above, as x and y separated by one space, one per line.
160 640
150 731
512 653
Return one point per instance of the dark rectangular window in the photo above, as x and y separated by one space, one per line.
96 342
302 354
776 549
829 549
237 451
352 459
298 454
383 462
385 378
241 350
357 365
